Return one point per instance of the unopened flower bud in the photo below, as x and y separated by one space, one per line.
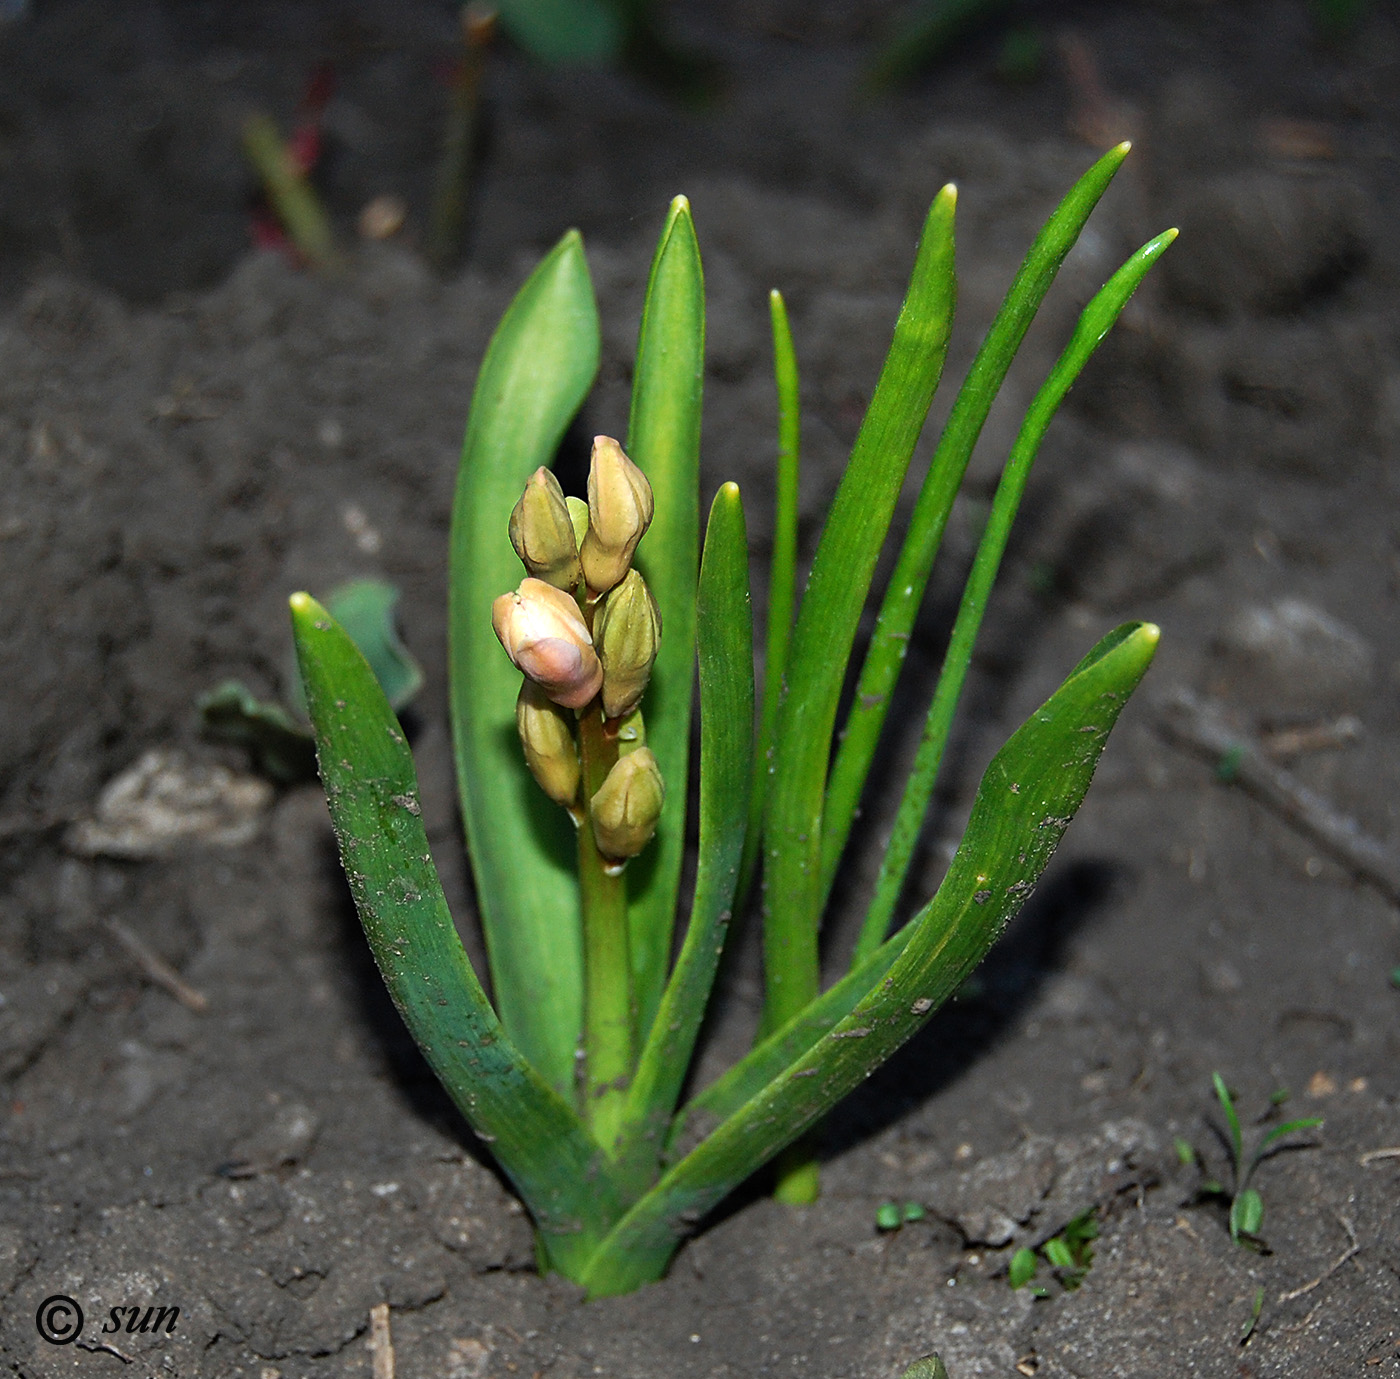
546 734
626 631
620 507
543 534
543 632
628 804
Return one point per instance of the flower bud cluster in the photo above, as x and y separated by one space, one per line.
584 627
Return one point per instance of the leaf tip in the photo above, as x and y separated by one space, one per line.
301 603
680 205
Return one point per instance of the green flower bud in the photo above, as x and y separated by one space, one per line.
543 534
627 805
543 632
620 508
626 631
546 734
578 515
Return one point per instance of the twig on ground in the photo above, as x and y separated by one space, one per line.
381 1341
1354 1248
1375 1156
1199 724
156 968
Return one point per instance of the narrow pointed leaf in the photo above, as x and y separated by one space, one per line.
728 1092
538 369
830 611
1028 795
725 644
1094 324
663 439
1222 1094
372 790
782 582
885 656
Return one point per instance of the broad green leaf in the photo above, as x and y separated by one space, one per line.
663 440
1246 1214
279 746
1028 795
365 609
1094 323
830 611
537 370
1022 1268
725 645
564 31
926 1367
885 656
372 791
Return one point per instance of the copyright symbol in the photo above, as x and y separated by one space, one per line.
59 1319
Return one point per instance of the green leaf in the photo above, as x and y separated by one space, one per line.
887 1217
536 373
1058 1253
564 31
372 791
903 595
725 637
1094 323
1027 797
926 1367
746 1078
1276 1134
663 440
1022 1268
365 609
1222 1093
1246 1214
782 582
826 623
279 746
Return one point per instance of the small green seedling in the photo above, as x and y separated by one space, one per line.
926 1367
1070 1254
1246 1205
277 737
1248 1330
574 1070
890 1216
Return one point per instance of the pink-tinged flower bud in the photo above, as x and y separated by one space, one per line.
542 532
627 805
543 632
620 508
627 632
546 734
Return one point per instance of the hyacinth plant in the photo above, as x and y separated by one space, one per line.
574 1071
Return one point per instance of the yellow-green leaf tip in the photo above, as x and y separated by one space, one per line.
680 205
302 603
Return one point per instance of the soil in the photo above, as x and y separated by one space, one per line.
191 430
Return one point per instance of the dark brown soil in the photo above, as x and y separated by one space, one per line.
188 432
